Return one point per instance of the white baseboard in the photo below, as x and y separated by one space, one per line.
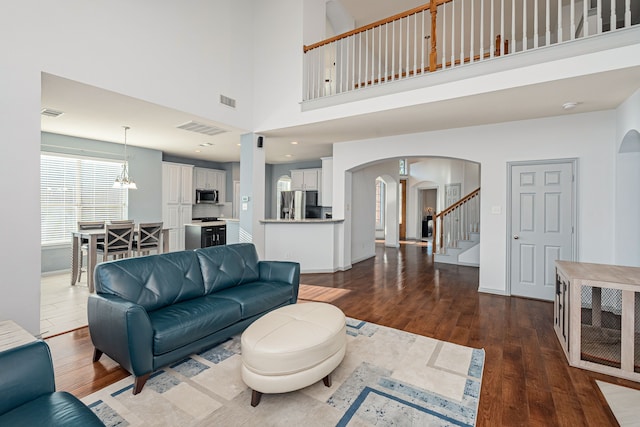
493 291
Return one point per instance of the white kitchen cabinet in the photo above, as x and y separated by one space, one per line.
210 179
306 179
177 199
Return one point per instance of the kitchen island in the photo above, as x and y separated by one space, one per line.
311 242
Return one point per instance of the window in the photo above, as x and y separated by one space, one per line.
403 167
380 187
76 189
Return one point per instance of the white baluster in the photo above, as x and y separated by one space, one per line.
560 40
573 19
453 33
503 37
585 17
599 16
422 44
473 38
386 52
548 24
353 67
524 25
444 33
462 32
535 24
400 50
408 66
415 44
627 13
614 18
393 50
380 54
481 30
359 60
512 36
366 57
493 36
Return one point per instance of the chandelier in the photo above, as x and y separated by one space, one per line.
123 180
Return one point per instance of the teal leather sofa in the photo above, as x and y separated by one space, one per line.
151 311
28 395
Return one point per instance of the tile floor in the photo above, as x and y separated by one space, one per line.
62 307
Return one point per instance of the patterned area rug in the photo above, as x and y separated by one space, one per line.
388 377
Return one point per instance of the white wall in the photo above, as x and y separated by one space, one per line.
168 53
627 190
589 137
363 227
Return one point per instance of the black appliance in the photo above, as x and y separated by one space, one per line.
205 236
206 196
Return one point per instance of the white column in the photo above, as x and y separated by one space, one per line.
252 190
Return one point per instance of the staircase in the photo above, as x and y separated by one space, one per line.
456 234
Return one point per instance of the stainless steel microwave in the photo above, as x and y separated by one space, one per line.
206 196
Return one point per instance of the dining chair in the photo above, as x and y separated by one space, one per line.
148 238
84 243
121 221
118 241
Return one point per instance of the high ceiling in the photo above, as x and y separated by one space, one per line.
98 114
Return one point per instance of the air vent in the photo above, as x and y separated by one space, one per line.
227 101
51 113
200 128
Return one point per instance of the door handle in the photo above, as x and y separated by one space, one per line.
516 237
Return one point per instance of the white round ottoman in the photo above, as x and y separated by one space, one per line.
293 347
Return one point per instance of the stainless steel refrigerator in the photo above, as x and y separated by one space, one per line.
292 204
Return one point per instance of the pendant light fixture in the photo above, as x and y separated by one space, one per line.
123 180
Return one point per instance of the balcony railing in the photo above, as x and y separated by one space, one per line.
448 33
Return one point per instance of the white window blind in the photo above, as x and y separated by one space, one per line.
76 189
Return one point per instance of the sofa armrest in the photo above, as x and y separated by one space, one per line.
122 330
26 373
281 271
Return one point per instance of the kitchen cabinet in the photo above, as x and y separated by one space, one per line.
210 179
306 179
177 199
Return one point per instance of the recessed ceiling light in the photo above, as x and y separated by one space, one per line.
197 151
206 144
238 144
294 142
288 155
569 105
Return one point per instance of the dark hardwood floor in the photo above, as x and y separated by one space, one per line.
526 379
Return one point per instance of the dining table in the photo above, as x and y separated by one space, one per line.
92 237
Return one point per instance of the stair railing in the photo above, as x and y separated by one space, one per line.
456 222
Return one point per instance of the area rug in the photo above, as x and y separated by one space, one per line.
623 401
320 293
388 377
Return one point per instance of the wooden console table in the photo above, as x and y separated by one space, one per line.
597 317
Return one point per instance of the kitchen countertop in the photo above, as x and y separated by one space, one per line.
301 221
206 224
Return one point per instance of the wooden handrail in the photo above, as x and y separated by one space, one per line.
441 215
466 198
376 24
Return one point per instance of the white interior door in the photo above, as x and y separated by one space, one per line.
542 198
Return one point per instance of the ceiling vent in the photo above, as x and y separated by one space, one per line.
225 100
200 128
51 113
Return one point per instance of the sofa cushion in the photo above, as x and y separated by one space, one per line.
257 297
183 323
55 409
154 281
227 266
